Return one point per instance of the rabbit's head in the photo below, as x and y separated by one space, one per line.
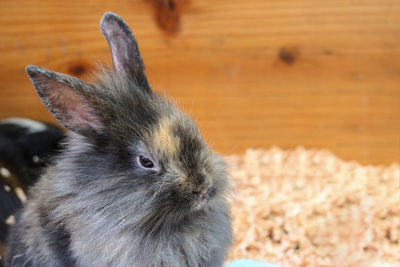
137 159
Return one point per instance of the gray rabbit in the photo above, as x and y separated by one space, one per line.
136 185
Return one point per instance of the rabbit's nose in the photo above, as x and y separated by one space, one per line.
201 194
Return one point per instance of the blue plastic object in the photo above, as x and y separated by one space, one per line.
250 263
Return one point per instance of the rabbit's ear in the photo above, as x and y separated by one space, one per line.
69 99
124 49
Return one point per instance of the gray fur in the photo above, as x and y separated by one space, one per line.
96 206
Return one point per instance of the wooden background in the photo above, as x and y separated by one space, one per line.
254 73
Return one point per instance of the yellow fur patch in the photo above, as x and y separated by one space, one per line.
164 139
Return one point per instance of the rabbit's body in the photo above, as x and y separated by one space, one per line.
136 184
57 228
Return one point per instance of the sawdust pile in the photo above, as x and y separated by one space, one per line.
309 208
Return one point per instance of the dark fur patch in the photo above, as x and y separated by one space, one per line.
59 239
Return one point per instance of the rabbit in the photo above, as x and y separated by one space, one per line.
27 146
135 185
10 202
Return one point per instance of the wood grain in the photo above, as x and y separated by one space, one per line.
253 73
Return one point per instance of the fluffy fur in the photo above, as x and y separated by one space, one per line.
97 206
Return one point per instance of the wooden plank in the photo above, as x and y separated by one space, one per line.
253 73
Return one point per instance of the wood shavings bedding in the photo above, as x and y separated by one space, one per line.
309 208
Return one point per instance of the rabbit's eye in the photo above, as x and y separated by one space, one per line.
146 162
